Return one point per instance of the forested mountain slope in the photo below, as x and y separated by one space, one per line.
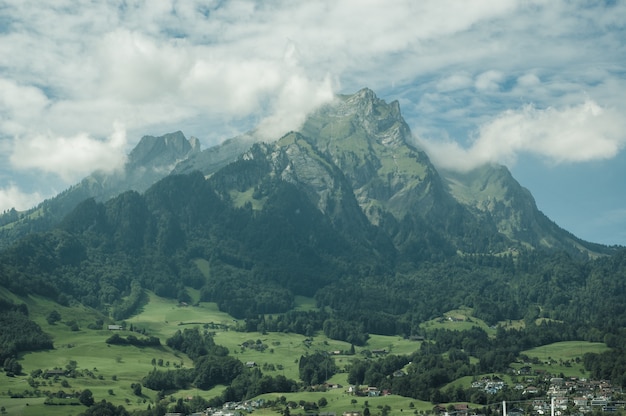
346 210
152 159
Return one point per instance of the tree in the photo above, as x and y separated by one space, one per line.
12 367
136 389
86 398
53 317
107 408
322 402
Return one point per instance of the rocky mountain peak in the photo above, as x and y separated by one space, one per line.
160 151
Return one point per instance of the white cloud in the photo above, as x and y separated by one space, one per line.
528 80
297 99
12 197
70 157
578 133
489 81
77 66
454 82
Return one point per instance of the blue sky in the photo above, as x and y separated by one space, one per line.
538 86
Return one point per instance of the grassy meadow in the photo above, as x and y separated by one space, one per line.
109 370
563 357
113 368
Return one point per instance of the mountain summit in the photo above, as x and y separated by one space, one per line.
358 151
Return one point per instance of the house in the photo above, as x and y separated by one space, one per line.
250 364
461 408
373 391
416 338
54 373
439 409
379 351
114 327
560 402
599 401
351 413
399 373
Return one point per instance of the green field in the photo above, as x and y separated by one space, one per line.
563 357
457 320
114 368
109 370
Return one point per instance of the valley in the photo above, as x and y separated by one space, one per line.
338 254
108 371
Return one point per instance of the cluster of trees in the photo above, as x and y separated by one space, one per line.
609 365
212 366
19 333
150 341
12 367
299 322
196 344
316 368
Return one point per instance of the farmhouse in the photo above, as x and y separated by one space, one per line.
55 372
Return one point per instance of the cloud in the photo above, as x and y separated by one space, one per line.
578 133
216 69
70 157
489 81
12 197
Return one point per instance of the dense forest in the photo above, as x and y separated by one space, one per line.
106 255
19 333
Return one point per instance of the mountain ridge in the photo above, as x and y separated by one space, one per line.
392 179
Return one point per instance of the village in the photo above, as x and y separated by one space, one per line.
563 396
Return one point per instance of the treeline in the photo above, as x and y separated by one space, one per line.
307 323
151 341
19 333
609 365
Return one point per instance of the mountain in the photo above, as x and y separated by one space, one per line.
152 159
490 191
369 144
346 209
365 142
